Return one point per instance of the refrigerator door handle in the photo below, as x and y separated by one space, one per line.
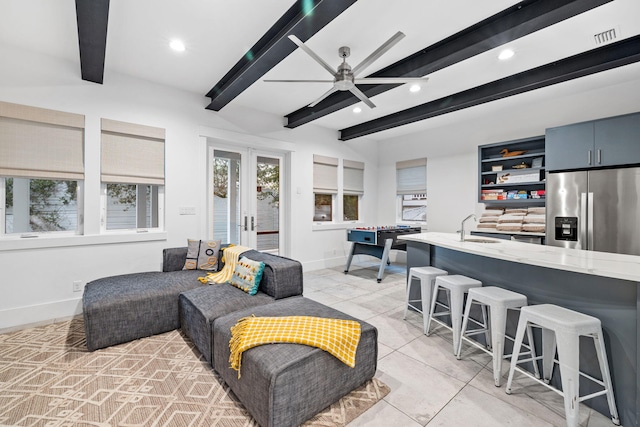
590 238
582 240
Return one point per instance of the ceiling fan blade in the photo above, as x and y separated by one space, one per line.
389 80
378 52
312 54
299 81
357 92
327 93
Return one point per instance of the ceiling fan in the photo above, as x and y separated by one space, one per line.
345 78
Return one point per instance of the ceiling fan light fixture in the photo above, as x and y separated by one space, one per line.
415 88
177 45
506 54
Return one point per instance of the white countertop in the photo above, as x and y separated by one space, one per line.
626 267
510 233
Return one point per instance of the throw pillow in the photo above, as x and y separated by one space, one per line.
247 275
202 255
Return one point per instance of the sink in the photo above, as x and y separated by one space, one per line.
471 239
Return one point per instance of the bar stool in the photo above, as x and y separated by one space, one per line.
427 276
561 330
455 287
498 300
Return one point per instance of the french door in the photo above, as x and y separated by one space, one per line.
245 197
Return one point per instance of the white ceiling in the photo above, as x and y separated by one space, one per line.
217 33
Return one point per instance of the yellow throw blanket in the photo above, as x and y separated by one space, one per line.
230 256
338 337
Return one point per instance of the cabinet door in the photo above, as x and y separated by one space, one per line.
617 140
570 147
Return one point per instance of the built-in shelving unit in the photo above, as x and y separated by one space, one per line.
511 186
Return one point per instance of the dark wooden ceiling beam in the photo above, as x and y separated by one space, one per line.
303 19
594 61
510 24
92 17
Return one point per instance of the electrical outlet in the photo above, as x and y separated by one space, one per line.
78 286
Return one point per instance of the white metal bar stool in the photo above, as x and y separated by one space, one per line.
498 301
427 276
455 286
561 330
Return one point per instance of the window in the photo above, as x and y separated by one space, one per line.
352 188
41 170
325 187
411 184
132 206
132 176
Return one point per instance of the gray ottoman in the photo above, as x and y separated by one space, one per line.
123 308
286 384
199 308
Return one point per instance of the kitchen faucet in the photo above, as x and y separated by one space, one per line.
461 231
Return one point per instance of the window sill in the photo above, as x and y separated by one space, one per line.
44 241
317 226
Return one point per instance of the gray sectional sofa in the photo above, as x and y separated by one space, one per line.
123 308
282 385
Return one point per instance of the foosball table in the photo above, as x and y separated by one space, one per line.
377 242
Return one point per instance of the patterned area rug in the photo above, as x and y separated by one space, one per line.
48 378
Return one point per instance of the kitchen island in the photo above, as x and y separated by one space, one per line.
600 284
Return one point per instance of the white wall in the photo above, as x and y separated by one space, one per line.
36 283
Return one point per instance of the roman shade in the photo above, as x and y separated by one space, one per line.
352 177
41 143
132 153
325 174
411 176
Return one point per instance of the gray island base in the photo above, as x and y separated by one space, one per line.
595 283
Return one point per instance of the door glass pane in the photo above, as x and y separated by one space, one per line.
268 204
226 196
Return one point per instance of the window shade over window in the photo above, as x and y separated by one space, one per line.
411 176
353 177
325 174
40 143
132 154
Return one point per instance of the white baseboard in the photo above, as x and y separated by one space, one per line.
37 315
324 263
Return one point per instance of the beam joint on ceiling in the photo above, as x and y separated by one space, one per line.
604 58
92 17
510 24
303 19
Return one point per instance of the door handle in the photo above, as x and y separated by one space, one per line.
245 223
589 157
253 224
590 233
599 156
583 227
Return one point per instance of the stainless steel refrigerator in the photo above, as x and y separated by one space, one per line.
595 210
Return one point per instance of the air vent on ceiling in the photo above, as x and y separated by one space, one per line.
606 36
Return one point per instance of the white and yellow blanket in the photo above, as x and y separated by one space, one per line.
230 257
336 336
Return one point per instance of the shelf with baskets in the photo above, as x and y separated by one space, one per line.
512 172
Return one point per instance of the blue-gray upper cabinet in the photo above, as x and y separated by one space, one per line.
614 141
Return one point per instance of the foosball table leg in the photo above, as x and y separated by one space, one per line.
385 258
353 249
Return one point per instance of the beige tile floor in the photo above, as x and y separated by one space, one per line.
428 385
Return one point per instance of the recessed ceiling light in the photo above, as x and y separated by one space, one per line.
415 88
506 54
357 110
177 45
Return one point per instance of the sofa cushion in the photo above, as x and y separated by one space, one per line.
202 255
200 307
282 385
281 278
123 308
